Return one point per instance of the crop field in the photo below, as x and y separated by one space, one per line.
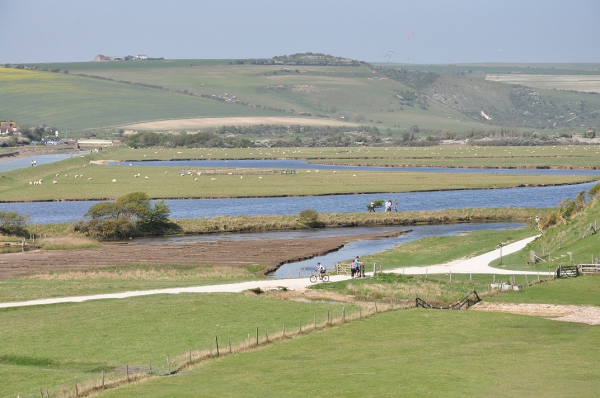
583 83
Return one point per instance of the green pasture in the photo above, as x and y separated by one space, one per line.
417 353
96 181
352 92
69 102
572 156
54 345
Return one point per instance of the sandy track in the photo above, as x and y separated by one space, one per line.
567 313
211 122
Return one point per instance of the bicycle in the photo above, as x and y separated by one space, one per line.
314 277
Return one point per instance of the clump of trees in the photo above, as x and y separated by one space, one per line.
13 223
130 215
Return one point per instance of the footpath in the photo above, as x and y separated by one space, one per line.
475 265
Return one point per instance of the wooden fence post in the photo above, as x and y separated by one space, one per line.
230 345
257 335
103 379
217 344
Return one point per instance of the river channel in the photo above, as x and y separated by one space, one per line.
350 250
541 197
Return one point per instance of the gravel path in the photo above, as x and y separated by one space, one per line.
474 265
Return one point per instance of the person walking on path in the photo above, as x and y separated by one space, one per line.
372 207
396 205
354 268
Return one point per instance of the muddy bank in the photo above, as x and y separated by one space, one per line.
269 253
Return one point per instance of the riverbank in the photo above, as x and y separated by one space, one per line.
237 224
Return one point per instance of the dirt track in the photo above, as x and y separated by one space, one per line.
270 253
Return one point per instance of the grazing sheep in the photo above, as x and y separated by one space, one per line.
114 180
30 183
182 175
229 174
308 171
334 172
136 176
57 174
89 178
316 171
195 179
260 178
241 177
146 177
166 172
353 175
54 182
66 175
213 179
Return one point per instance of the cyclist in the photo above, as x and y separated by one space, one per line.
320 270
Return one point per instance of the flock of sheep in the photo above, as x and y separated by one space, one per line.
138 175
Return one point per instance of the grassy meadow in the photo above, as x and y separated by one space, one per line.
54 345
102 181
417 353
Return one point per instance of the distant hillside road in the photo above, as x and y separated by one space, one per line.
583 83
199 123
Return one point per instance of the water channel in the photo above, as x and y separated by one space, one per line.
52 212
350 250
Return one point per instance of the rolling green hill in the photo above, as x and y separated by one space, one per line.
437 99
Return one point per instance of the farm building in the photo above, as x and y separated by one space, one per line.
7 127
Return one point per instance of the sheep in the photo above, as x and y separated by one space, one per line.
316 171
146 177
183 175
166 172
54 182
57 174
66 175
114 180
353 175
260 177
213 179
229 174
76 175
30 183
241 177
136 176
89 178
334 172
308 171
